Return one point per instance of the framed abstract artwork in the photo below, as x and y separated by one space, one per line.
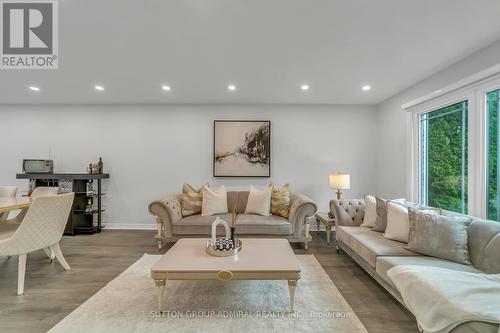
242 148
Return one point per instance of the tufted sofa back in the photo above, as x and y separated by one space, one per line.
348 212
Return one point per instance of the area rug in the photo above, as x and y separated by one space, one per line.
128 304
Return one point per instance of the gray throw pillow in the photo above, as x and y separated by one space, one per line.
439 236
381 221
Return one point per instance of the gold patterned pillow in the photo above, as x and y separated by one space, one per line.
280 200
191 200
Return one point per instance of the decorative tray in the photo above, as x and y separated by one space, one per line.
216 252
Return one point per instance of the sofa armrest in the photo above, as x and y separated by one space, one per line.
301 209
167 210
349 212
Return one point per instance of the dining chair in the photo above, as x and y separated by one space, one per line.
7 192
44 190
41 191
42 228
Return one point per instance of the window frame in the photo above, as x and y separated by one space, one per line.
414 188
485 89
423 197
475 93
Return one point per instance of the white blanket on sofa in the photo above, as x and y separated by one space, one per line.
442 299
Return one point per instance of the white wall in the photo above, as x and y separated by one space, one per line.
392 127
151 150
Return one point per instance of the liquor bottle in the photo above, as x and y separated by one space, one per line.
90 188
89 207
101 165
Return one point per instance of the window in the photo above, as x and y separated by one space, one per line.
444 157
454 145
493 168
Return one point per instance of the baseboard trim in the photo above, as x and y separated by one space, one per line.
144 226
127 226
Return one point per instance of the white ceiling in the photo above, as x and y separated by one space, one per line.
268 48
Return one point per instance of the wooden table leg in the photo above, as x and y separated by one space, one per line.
328 231
292 285
160 284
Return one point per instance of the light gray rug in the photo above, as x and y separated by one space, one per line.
128 304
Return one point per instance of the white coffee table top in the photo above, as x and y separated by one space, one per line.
262 255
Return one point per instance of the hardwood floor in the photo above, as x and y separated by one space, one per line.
52 293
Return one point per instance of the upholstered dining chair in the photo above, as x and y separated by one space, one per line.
44 190
42 228
7 192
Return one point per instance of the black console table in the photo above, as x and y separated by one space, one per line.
81 220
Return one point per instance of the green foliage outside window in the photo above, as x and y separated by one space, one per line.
444 159
492 103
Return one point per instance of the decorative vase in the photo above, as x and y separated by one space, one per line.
232 235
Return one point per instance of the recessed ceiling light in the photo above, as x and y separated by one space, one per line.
33 88
304 87
99 88
366 88
165 87
231 87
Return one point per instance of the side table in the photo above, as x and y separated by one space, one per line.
328 222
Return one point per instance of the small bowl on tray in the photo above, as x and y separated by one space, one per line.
226 252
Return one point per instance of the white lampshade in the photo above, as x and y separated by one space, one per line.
340 181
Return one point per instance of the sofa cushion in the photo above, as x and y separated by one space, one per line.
386 263
199 225
238 200
369 244
280 200
259 201
251 224
370 212
214 202
484 245
191 199
439 236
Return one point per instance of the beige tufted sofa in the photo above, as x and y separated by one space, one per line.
173 226
377 254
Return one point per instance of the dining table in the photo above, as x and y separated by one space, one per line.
8 204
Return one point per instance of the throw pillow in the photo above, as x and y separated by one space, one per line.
259 201
214 202
381 208
398 222
439 236
280 200
370 212
191 199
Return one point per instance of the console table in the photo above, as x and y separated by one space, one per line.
81 220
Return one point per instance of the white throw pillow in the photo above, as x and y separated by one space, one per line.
214 202
259 201
370 212
398 222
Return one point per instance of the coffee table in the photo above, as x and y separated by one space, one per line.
259 259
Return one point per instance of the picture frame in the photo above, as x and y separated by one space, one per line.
242 148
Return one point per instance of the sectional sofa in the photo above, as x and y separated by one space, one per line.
173 226
377 254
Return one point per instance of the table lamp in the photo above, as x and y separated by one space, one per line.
340 181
